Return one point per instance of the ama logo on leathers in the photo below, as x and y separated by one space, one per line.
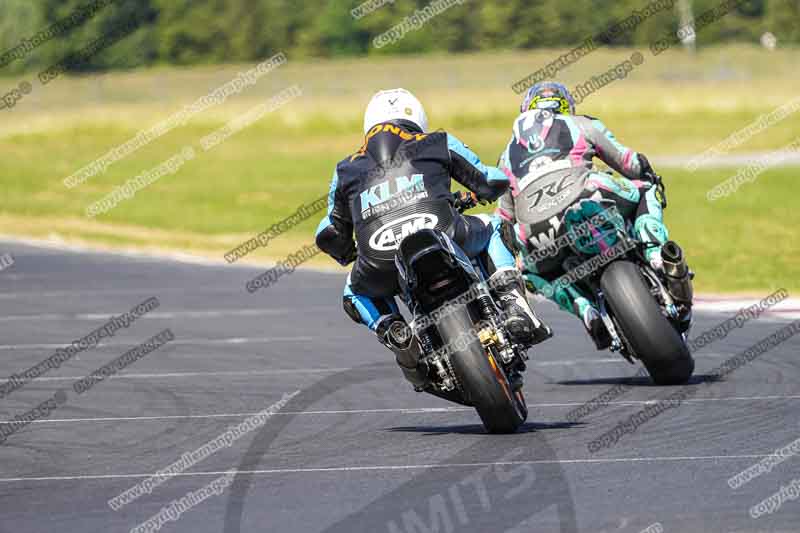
389 236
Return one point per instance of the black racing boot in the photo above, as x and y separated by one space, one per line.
395 334
521 322
596 328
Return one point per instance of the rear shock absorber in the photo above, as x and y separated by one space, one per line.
486 306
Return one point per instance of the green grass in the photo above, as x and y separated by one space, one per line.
746 242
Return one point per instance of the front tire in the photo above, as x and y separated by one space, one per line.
649 334
482 379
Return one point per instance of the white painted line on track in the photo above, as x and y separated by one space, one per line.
144 291
197 342
235 373
620 359
245 373
577 361
160 315
409 410
149 256
222 373
345 469
786 309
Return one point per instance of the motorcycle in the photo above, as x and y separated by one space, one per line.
467 356
645 312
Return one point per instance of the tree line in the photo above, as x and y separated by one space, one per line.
36 34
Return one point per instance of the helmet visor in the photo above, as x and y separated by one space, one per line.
557 104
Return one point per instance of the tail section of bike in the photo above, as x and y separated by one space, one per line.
466 354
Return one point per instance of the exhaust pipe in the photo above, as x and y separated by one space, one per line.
399 338
408 359
679 279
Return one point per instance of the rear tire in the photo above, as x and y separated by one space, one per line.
648 332
482 378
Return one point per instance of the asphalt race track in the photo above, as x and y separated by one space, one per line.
355 449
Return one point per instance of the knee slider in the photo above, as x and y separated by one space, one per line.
351 310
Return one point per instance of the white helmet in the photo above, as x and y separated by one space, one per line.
395 104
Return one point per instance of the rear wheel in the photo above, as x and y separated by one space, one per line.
482 378
647 331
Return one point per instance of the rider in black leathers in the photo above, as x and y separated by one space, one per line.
399 182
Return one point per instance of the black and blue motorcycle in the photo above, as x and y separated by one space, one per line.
467 356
